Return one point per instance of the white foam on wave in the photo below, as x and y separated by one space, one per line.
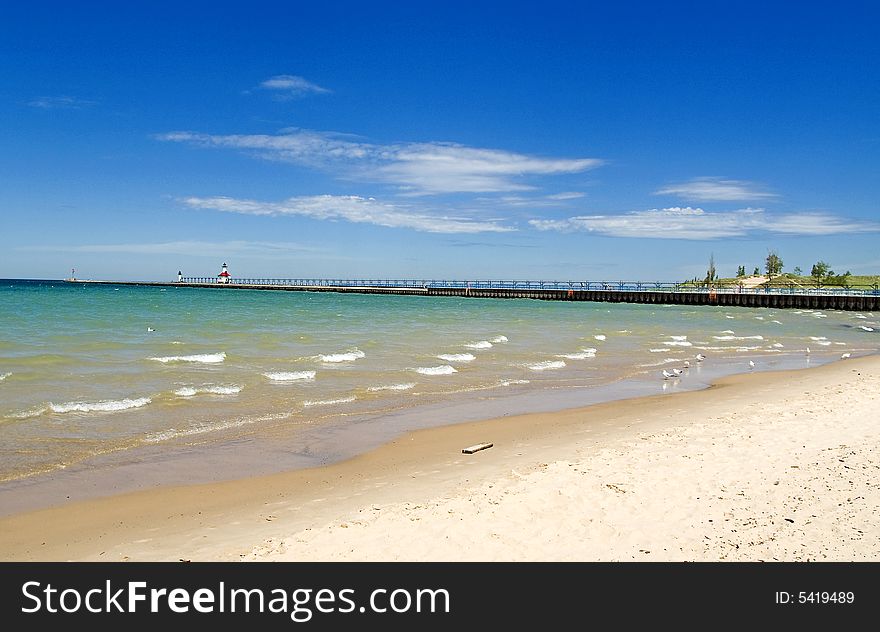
776 321
192 391
290 376
547 365
818 338
860 316
329 402
483 344
759 318
348 356
860 327
436 370
3 376
512 382
679 343
203 358
738 337
600 337
393 387
27 414
105 406
660 350
740 348
174 433
457 357
728 331
679 338
499 339
778 345
583 354
730 317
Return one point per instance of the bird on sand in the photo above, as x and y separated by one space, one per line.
687 364
751 364
667 374
845 356
700 357
150 329
677 372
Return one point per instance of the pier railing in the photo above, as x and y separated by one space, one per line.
513 284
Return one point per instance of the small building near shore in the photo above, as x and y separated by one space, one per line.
224 276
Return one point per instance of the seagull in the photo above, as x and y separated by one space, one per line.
700 357
845 356
751 364
150 329
808 351
667 374
687 364
676 372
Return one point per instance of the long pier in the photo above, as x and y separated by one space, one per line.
654 293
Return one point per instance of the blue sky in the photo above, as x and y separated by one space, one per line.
558 140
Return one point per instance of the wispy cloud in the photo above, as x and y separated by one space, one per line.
351 208
415 168
190 248
60 103
566 195
695 223
291 86
709 189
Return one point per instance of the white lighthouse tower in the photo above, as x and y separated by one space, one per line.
224 276
179 276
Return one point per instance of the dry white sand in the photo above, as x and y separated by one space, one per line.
765 466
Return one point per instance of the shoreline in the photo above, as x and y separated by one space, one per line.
265 452
251 517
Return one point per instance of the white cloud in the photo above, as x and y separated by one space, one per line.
351 208
415 168
716 189
60 103
292 86
191 248
819 224
566 195
695 223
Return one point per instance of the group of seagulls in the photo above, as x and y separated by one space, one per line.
678 372
667 375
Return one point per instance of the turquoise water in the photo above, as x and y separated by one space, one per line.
82 374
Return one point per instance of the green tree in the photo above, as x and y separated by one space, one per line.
740 272
710 272
820 272
798 271
757 271
773 264
838 279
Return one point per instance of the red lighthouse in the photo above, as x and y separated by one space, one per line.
224 276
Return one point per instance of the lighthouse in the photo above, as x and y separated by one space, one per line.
223 277
179 276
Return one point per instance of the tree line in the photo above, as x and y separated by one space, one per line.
821 272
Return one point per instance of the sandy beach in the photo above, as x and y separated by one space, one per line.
763 466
